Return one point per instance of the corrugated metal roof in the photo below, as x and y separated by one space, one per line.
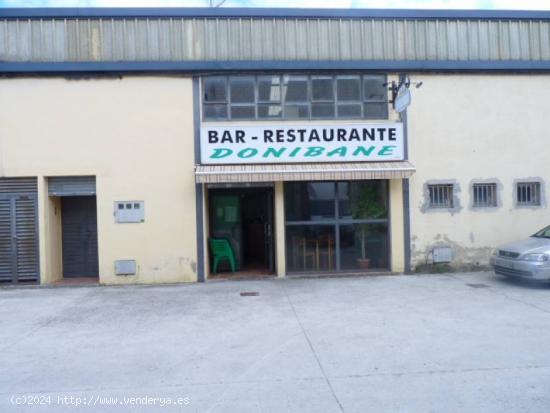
303 172
341 37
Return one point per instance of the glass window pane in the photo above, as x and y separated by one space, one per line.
215 112
322 89
310 248
296 111
376 110
348 88
295 88
309 201
242 112
266 111
215 89
241 89
363 199
322 110
364 246
349 110
269 88
375 89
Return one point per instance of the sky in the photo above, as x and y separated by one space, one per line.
404 4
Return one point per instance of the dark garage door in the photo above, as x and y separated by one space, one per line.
79 232
18 230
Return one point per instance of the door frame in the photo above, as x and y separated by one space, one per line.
269 188
63 199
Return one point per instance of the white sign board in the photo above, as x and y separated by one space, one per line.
291 143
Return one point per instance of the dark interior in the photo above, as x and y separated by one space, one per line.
250 232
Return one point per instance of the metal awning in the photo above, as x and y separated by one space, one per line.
303 172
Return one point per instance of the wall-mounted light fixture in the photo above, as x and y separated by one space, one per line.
400 93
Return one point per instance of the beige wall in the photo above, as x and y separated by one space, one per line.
136 135
469 127
397 234
50 241
280 236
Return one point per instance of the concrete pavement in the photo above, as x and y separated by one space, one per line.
428 343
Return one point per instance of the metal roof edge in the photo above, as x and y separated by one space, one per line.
232 12
271 65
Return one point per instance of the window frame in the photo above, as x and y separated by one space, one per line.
491 192
307 104
443 190
337 221
529 185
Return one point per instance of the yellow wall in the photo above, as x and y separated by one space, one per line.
135 135
280 237
206 231
396 226
467 127
50 216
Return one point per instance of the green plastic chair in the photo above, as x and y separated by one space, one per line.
221 249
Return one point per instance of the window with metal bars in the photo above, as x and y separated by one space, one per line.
485 195
441 195
528 193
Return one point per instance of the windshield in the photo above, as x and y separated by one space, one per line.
543 233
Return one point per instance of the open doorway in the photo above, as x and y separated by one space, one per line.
243 217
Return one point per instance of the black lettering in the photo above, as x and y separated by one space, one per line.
392 133
354 135
239 136
381 132
314 136
291 135
226 137
301 132
280 135
341 135
212 136
368 134
330 134
268 134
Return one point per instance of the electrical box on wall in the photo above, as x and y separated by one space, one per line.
129 211
125 267
442 254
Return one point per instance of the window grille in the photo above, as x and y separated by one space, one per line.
485 195
441 195
528 193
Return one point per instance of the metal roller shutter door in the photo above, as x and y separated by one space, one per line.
18 230
71 186
26 239
79 233
6 241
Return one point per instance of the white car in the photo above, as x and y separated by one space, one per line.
528 258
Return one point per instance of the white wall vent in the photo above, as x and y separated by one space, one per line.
125 267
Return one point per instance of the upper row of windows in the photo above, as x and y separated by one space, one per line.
251 97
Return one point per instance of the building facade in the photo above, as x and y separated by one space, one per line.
132 140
